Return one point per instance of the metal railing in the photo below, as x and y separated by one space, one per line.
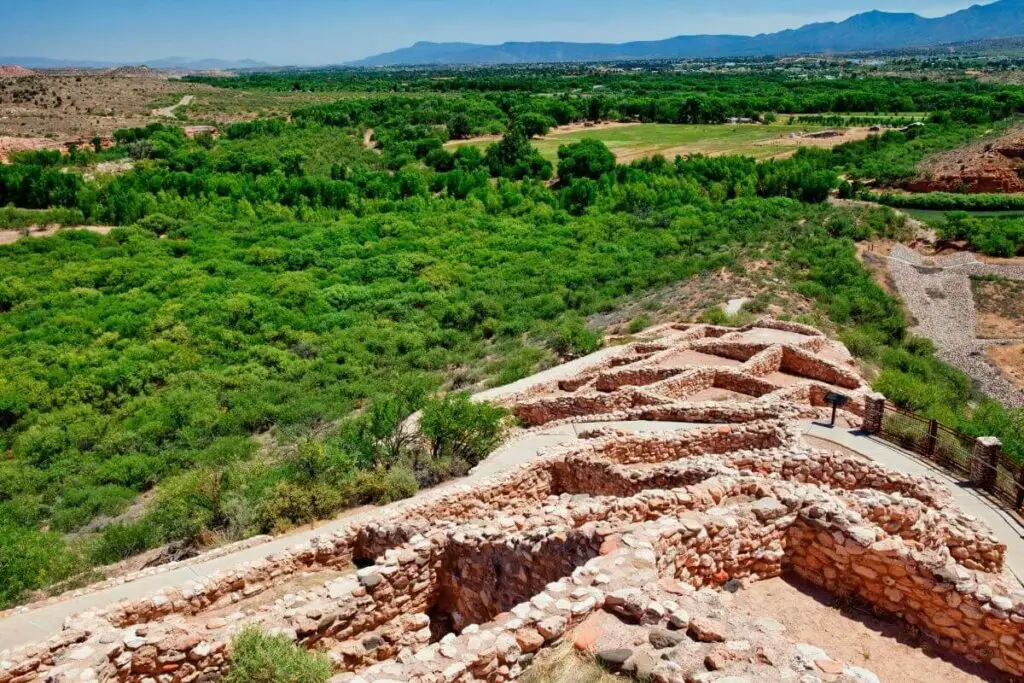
954 451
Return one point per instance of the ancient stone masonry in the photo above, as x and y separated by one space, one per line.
639 529
779 363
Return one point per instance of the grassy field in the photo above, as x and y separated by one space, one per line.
635 141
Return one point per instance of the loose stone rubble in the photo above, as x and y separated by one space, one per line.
639 530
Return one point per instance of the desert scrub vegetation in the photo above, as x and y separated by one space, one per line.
257 657
244 349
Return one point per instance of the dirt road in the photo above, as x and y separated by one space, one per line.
12 236
168 112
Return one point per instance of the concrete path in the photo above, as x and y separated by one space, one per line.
34 625
571 369
1002 523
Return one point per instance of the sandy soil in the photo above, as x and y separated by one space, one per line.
995 326
1000 306
1010 359
168 112
553 133
887 648
12 236
845 135
368 142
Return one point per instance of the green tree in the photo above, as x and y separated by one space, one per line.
587 158
291 162
459 127
457 427
514 157
535 125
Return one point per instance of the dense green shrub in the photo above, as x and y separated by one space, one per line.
995 235
120 541
458 428
639 323
572 338
949 201
587 158
257 657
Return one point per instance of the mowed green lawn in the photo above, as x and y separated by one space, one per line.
635 141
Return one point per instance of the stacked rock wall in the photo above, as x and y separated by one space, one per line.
468 584
947 602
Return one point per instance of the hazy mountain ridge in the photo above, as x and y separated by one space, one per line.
872 30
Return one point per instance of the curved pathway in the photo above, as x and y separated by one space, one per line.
168 112
937 291
34 624
1004 525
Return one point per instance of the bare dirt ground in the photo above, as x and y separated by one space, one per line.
1010 359
368 142
79 104
9 144
688 299
554 132
853 634
1000 306
12 236
841 137
989 165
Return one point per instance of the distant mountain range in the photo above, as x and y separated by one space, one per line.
182 63
874 30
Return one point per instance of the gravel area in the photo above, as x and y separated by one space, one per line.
937 290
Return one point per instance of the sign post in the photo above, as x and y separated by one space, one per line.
836 401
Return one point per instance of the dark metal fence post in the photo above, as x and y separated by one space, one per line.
933 438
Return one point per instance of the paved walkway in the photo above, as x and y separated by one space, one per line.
28 626
1005 527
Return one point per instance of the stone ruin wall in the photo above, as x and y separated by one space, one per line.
468 585
706 549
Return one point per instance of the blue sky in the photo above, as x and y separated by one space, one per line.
333 31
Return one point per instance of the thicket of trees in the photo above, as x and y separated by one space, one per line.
670 97
283 281
951 201
992 235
